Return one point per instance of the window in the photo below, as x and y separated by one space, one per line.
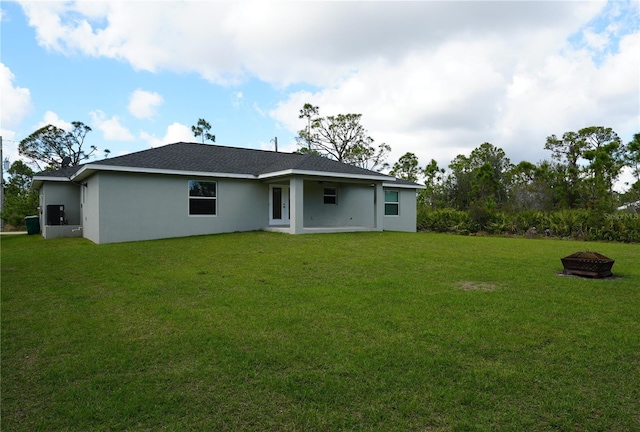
202 198
330 195
391 203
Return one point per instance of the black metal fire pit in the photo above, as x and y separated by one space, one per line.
587 264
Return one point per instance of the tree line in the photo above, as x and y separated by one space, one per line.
569 195
581 174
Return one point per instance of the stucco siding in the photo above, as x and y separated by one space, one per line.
110 206
406 220
61 193
354 206
90 198
145 207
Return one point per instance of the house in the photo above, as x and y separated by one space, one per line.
188 189
633 206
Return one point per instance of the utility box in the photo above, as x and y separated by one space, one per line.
33 224
55 214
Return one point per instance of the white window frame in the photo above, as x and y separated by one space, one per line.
333 195
396 203
214 198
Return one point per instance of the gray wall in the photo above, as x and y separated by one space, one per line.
117 207
90 198
406 220
354 208
145 207
61 193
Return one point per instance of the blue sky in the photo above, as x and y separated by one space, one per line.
433 78
96 90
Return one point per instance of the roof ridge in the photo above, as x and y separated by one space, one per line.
227 147
105 160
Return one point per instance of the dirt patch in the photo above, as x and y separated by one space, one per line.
476 286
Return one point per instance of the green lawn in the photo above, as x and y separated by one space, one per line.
368 331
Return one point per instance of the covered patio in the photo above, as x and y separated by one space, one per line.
299 205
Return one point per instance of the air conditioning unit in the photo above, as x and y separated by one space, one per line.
55 214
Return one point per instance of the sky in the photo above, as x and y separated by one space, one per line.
437 79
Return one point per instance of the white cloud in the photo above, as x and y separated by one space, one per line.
111 128
176 132
166 35
15 101
512 91
237 99
259 110
618 77
144 104
596 41
51 118
282 43
625 180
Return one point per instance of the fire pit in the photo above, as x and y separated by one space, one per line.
587 264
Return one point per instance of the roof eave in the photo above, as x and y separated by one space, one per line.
294 172
37 181
404 185
88 170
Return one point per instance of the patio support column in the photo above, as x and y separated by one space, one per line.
378 207
296 190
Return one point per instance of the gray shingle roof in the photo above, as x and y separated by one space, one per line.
197 157
61 173
207 158
219 159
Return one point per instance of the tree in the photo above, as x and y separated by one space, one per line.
568 151
342 138
368 156
593 157
484 184
20 199
406 168
433 182
492 166
605 152
458 182
480 176
50 145
535 187
632 157
308 111
201 129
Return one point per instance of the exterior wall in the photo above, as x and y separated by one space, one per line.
90 198
296 204
61 231
117 207
134 207
60 193
407 217
354 208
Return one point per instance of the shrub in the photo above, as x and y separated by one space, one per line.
576 224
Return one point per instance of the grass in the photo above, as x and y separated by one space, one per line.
364 331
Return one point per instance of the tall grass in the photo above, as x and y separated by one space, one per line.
366 331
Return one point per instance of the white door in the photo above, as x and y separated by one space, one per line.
278 205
